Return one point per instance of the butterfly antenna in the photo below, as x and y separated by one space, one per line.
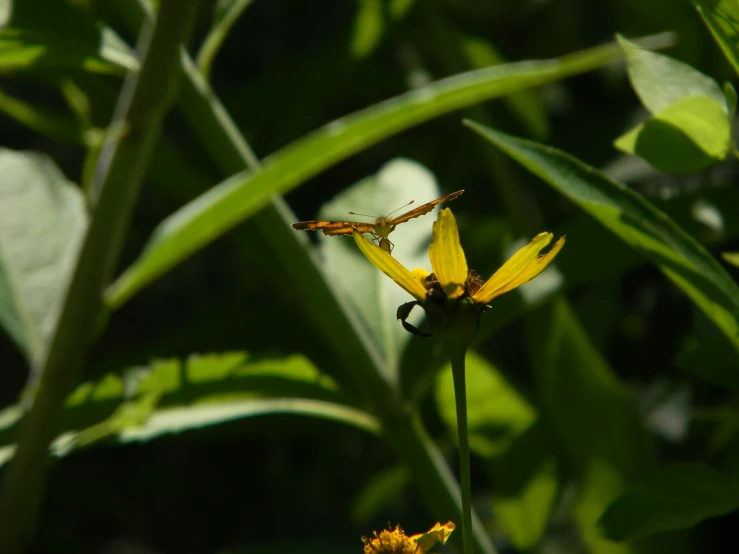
363 215
395 210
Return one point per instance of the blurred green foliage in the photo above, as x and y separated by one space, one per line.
248 389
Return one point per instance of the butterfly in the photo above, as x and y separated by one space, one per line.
380 228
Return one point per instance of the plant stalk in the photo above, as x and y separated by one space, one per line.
142 104
457 358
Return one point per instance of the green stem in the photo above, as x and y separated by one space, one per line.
218 33
143 102
457 356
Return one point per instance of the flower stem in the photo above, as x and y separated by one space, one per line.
457 356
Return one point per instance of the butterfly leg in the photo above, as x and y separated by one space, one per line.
386 245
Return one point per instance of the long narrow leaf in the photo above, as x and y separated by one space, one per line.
636 221
722 18
237 198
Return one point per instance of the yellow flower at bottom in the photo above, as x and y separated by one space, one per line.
395 541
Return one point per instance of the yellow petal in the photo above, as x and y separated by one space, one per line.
438 533
447 257
420 274
523 266
391 267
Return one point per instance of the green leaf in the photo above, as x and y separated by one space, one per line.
369 26
372 293
690 134
226 14
42 222
637 222
29 49
378 493
722 19
676 497
55 125
496 412
713 359
33 38
170 396
731 100
526 486
660 81
731 257
527 105
589 412
236 199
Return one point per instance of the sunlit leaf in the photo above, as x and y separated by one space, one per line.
688 135
690 127
42 222
171 396
660 81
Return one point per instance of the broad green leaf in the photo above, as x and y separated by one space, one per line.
42 222
170 396
526 515
722 19
373 294
637 222
496 412
676 497
590 414
236 199
526 483
690 134
660 81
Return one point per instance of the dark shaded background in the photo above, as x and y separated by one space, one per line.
282 484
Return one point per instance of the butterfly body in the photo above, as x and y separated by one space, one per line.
379 229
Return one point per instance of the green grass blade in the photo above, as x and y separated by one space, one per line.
237 198
225 18
722 19
637 222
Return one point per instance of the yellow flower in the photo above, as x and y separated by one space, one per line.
396 542
451 278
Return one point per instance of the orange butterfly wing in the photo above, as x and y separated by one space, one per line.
345 227
333 227
426 208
